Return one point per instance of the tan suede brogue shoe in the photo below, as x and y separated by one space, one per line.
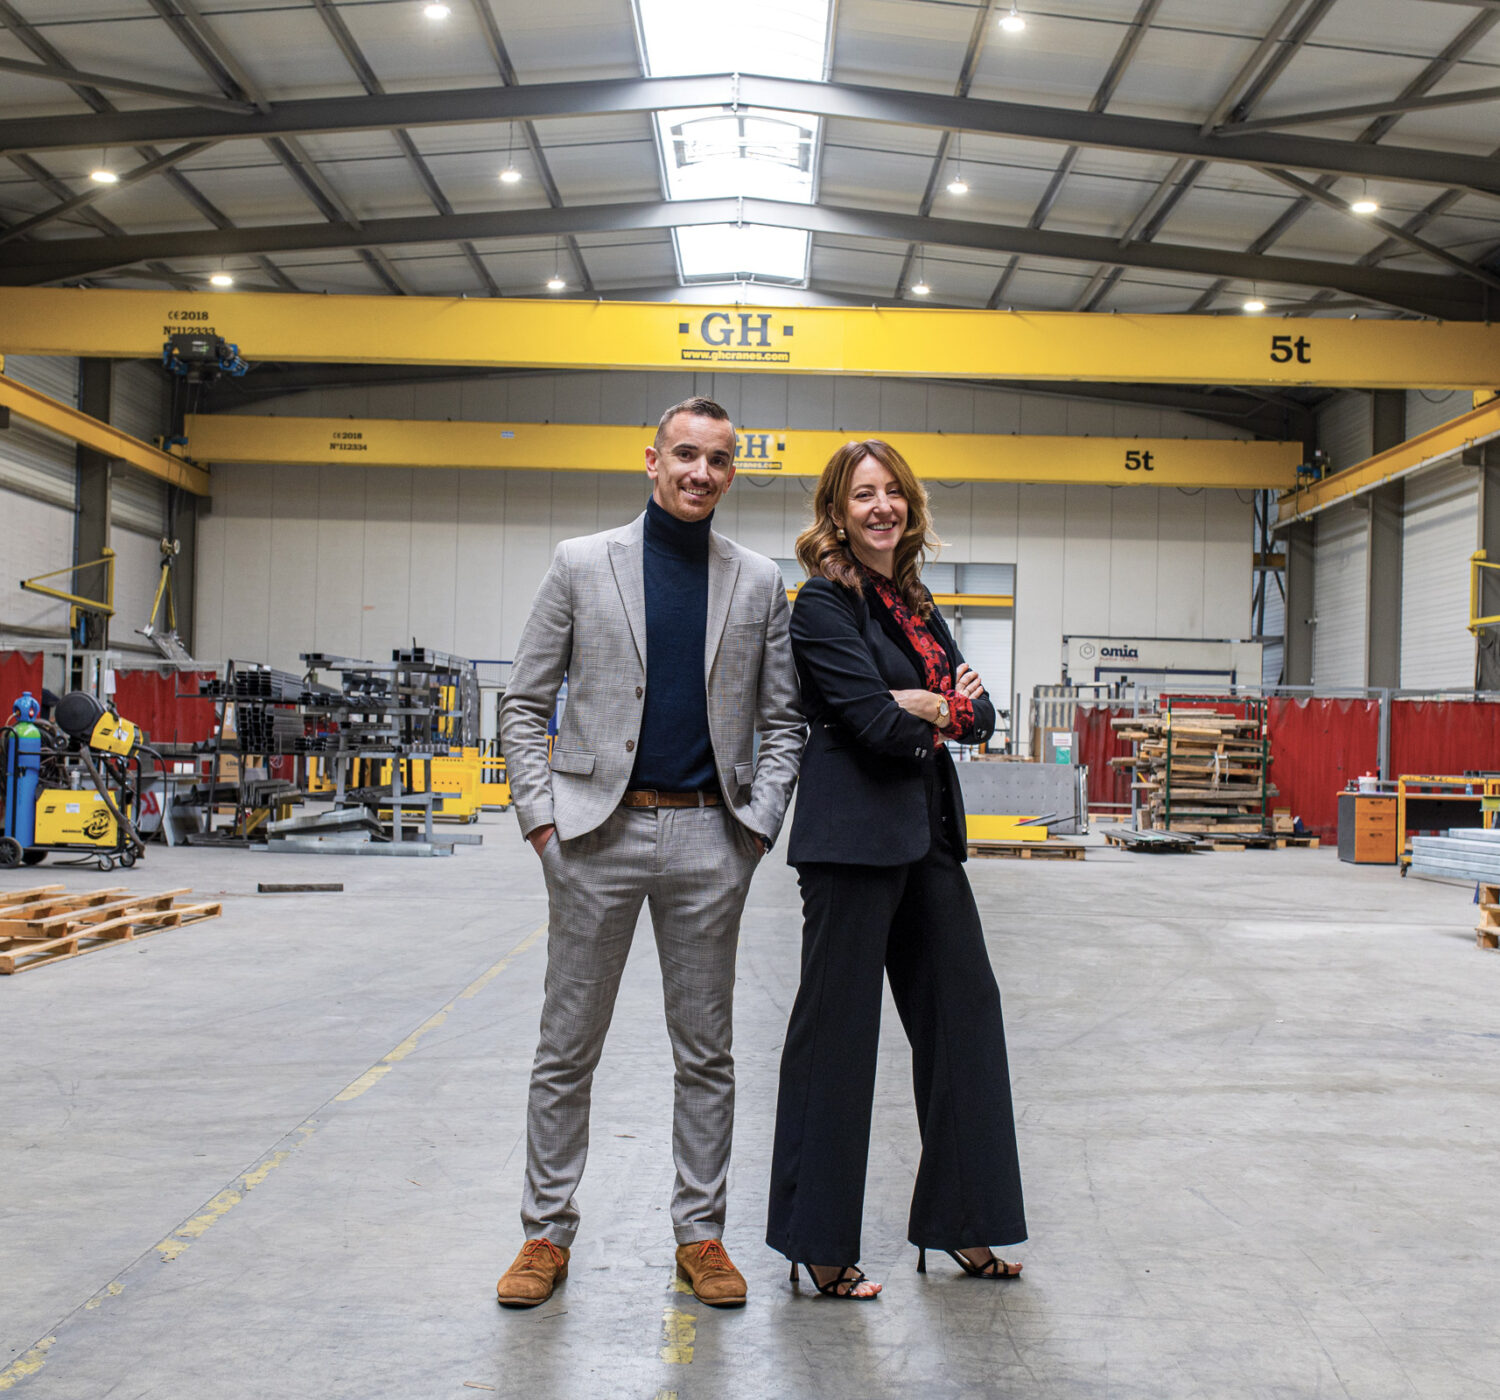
539 1268
707 1267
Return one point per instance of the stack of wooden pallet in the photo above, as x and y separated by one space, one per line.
1198 772
46 924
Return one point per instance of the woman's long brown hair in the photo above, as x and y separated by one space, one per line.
819 550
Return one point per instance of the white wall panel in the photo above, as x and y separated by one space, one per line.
1228 557
1439 531
1132 565
1340 593
1086 558
1040 576
1180 564
294 564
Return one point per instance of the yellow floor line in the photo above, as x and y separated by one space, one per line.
196 1226
372 1076
679 1331
28 1365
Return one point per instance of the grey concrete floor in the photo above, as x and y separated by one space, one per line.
280 1153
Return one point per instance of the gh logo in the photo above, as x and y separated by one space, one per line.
753 447
718 328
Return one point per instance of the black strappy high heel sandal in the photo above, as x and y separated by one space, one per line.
993 1267
850 1274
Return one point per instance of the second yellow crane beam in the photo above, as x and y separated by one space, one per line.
382 442
901 341
66 421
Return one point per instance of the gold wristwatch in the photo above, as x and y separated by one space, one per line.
943 712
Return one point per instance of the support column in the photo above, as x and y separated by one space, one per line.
1301 606
1487 664
1383 587
183 512
91 535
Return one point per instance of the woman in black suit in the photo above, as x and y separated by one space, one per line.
878 841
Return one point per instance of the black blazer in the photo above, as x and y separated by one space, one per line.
862 795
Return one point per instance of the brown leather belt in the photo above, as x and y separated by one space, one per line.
649 797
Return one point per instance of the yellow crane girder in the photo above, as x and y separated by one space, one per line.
900 341
1439 444
66 421
383 442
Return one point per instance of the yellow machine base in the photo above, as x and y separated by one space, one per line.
68 818
983 827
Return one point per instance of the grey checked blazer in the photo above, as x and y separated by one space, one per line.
589 621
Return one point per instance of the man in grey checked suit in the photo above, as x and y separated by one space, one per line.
675 644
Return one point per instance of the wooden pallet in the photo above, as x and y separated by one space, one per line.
47 925
1487 930
1028 850
1308 843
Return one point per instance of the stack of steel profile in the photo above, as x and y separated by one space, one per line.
1465 853
268 729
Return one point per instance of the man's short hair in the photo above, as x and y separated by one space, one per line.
698 407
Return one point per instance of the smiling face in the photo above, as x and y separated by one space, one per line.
693 465
875 515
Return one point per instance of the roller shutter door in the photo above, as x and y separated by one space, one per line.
1344 430
986 637
1439 531
34 462
1339 596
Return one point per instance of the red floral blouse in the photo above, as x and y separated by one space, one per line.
934 658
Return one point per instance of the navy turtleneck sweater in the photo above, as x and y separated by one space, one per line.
674 752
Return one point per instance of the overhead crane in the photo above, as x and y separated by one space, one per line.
910 342
1114 461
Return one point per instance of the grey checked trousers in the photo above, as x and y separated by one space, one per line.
693 865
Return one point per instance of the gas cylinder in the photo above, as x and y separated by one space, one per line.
23 764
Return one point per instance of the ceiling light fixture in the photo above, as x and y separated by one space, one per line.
958 185
510 175
436 11
919 288
555 283
221 279
1012 23
104 176
1364 205
1255 304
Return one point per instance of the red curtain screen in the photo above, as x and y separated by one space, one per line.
1442 738
148 698
19 671
1095 744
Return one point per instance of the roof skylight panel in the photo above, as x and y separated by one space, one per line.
749 153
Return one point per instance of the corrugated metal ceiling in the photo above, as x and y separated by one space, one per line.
1190 60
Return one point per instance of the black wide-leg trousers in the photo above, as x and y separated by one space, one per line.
918 923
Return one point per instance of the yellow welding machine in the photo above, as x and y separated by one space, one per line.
114 735
68 818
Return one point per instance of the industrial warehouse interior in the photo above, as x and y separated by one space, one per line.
324 324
